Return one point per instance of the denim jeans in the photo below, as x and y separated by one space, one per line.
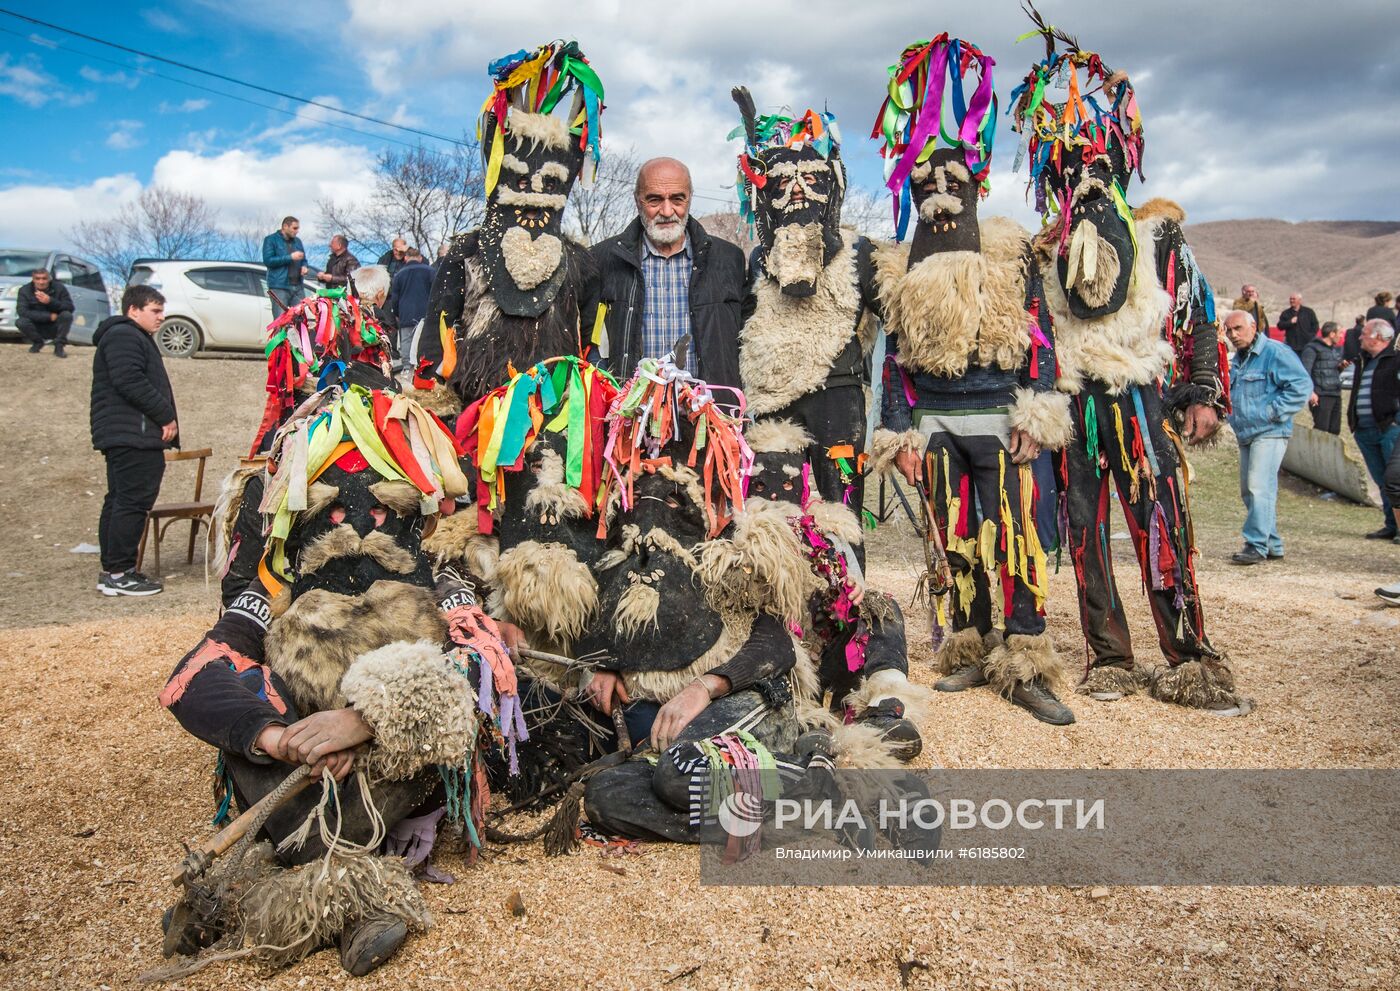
1259 464
1376 445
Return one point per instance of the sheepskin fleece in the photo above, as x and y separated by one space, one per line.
888 684
662 686
439 400
1022 658
636 610
777 435
228 505
315 641
456 542
306 907
788 346
1111 678
1195 684
1044 416
885 446
545 589
836 520
963 649
955 306
1160 206
860 745
551 496
422 708
539 129
1120 349
761 567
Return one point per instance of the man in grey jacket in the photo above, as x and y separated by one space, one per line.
1267 387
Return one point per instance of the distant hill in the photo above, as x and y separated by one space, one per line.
1338 265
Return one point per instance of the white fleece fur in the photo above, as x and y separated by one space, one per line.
1045 416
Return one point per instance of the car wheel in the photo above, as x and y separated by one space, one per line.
178 338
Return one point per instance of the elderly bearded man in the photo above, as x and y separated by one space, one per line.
665 277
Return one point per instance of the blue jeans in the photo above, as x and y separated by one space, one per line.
288 296
1259 464
1376 445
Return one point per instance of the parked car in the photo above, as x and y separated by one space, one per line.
209 305
81 277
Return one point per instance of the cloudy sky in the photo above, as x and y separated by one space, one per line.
1252 109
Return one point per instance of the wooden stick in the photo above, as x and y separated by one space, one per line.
225 838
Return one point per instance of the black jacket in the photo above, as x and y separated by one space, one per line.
409 292
131 394
1320 361
59 302
1379 312
393 265
719 302
1299 327
1385 388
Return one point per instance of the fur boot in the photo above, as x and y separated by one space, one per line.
1203 684
1110 680
962 649
1022 658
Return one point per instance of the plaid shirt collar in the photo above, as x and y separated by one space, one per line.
650 249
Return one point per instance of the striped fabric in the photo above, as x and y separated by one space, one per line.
1363 396
666 311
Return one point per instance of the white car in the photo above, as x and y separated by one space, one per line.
209 305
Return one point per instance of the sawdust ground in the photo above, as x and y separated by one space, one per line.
99 786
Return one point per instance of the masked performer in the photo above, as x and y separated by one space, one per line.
1137 345
515 290
802 352
352 676
967 320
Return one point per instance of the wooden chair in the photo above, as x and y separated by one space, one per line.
162 514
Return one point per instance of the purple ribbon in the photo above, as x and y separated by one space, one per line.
927 126
971 127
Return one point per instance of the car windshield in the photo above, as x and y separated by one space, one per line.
21 262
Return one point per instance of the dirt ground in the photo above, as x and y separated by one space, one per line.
99 786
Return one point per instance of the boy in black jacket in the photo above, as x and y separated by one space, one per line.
133 422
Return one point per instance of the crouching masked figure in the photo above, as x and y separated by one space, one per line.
515 290
971 401
362 668
1139 353
802 351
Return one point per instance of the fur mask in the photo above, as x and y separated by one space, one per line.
945 202
1097 263
799 214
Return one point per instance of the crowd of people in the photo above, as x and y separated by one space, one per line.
587 522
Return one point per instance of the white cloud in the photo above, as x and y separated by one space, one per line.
41 216
162 21
25 81
128 79
124 135
186 107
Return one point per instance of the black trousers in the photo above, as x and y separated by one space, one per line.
1327 414
1391 479
133 482
1126 439
886 649
835 417
39 331
984 505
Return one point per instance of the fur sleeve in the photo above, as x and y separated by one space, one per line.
885 446
421 707
1044 416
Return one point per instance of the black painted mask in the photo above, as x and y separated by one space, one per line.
521 240
359 528
945 203
1096 263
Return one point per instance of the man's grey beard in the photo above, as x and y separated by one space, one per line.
939 204
797 254
664 233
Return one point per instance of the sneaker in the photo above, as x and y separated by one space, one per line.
1384 533
58 351
130 583
1247 556
900 733
1037 699
962 679
369 943
1389 596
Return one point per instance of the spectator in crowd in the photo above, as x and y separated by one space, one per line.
443 249
1267 387
408 300
1249 302
285 257
44 311
1375 400
339 265
133 420
1390 594
395 257
372 286
1322 360
664 277
1382 310
1298 323
1351 343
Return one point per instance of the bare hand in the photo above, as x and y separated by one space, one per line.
297 256
605 689
908 464
677 714
1023 449
168 432
857 593
322 734
53 317
338 763
1312 400
269 741
512 635
323 277
304 270
41 296
1201 422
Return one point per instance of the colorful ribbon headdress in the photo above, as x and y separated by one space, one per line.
817 129
1050 131
535 82
913 117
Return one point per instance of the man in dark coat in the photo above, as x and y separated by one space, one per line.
409 292
1298 323
133 421
44 311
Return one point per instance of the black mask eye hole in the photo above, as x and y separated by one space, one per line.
787 486
523 184
336 513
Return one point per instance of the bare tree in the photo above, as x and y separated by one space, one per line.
729 227
162 223
243 241
604 207
420 194
868 212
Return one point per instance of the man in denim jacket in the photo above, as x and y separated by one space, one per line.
1268 385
